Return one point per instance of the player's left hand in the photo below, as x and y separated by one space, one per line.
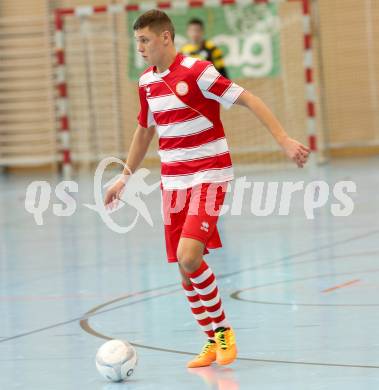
296 151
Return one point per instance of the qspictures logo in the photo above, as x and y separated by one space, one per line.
38 196
258 198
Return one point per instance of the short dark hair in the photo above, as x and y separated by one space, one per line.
157 21
197 21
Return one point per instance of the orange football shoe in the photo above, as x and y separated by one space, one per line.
206 357
226 346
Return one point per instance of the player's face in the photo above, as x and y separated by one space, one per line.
150 45
195 33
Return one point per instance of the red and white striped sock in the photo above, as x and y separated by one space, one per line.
204 283
199 311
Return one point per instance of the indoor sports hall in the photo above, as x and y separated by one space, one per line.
298 270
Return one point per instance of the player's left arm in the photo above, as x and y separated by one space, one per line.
293 149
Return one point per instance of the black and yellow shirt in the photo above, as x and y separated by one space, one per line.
206 51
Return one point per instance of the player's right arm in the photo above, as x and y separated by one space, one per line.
138 148
140 143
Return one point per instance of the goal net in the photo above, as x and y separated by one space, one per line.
263 46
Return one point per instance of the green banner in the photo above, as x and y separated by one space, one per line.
247 35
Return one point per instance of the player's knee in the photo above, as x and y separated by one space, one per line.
188 260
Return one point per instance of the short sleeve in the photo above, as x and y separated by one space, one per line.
217 87
145 117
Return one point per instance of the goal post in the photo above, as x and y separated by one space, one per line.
97 67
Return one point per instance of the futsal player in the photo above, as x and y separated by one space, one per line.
180 100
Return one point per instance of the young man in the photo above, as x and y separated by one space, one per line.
204 49
180 99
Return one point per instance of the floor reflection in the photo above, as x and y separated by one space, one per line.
220 378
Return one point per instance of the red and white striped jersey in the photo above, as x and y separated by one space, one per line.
183 103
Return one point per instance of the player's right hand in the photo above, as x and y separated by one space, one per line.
113 194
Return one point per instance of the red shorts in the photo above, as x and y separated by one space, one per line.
192 213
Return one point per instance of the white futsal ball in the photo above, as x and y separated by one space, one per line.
116 360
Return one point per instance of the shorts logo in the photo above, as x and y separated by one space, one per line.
182 88
204 226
